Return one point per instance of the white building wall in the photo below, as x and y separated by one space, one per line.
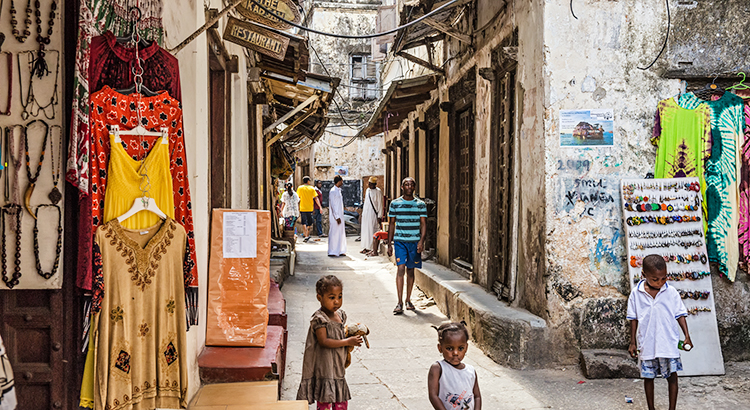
181 18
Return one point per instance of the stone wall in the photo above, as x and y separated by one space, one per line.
592 62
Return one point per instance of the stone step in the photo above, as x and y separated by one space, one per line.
243 364
276 307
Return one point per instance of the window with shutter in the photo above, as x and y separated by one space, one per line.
364 78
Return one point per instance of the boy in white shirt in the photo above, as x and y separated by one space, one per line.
655 310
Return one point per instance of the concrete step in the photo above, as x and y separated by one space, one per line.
227 394
243 364
511 336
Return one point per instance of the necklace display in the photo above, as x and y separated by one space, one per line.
35 177
55 195
58 247
11 209
13 159
30 102
20 36
39 66
10 82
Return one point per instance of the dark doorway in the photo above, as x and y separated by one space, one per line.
432 153
253 156
220 95
462 171
502 178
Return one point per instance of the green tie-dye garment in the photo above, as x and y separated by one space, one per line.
722 169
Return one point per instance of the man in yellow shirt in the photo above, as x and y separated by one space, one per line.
307 198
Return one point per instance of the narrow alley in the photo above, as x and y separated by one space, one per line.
392 374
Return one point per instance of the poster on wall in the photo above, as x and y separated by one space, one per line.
587 128
665 217
341 170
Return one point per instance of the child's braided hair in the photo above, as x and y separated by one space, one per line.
327 282
451 327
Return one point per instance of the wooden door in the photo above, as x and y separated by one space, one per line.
220 143
464 244
501 189
32 329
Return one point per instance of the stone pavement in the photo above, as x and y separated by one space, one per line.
392 374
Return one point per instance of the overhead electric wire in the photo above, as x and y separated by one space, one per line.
338 107
365 36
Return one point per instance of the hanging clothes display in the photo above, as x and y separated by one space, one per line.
722 169
110 108
140 348
744 206
683 140
95 18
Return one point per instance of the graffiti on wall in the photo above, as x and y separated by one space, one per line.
581 195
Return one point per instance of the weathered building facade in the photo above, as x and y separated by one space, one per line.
537 225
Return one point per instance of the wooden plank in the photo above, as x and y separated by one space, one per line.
424 41
293 125
227 394
448 30
413 101
421 62
288 115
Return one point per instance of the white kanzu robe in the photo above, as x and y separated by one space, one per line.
371 211
336 232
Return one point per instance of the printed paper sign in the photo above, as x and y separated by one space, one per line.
587 128
240 235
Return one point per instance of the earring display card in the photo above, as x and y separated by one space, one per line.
665 217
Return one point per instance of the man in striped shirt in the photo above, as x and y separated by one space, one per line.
407 218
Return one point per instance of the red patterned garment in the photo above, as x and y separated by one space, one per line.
112 65
744 180
111 108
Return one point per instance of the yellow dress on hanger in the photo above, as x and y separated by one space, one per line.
123 188
124 184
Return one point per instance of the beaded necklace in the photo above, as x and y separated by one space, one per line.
40 68
58 248
55 195
11 209
14 22
33 178
30 102
10 80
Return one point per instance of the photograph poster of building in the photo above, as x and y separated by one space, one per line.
587 128
341 170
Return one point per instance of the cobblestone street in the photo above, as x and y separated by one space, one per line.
392 374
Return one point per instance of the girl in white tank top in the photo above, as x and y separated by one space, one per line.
452 384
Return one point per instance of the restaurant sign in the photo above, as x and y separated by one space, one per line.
285 9
256 38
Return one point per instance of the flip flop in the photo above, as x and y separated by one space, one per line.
409 306
398 310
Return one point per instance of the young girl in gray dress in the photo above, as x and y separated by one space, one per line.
323 370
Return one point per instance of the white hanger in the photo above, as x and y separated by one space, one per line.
143 203
140 131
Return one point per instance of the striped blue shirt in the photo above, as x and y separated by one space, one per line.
407 214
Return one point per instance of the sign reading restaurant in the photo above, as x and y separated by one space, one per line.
256 38
285 9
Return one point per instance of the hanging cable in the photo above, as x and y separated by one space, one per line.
666 39
571 10
385 33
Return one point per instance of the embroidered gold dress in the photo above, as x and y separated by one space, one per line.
139 323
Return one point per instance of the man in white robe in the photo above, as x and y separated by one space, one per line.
372 210
337 228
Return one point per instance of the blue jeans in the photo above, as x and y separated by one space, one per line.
318 220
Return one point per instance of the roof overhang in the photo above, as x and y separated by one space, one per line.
300 107
432 29
402 97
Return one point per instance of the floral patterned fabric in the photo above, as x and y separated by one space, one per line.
109 108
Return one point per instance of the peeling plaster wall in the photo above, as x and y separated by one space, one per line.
363 157
591 63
